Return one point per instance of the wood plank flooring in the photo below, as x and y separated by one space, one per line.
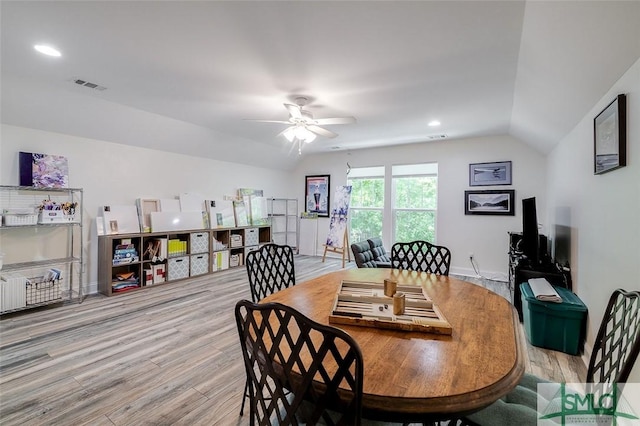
165 356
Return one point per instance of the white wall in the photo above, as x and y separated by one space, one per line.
114 174
485 236
603 211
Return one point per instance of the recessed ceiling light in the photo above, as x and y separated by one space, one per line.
434 123
47 50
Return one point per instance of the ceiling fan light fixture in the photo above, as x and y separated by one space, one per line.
290 134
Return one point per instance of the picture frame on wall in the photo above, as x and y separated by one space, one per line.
490 202
610 137
487 174
316 194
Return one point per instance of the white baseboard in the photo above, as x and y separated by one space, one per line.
469 272
92 288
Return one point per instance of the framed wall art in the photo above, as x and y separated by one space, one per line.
610 137
486 174
490 202
316 194
43 170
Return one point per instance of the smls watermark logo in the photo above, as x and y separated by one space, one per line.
588 404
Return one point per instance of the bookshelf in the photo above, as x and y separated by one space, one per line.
130 262
283 215
41 235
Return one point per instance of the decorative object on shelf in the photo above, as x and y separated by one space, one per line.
43 170
145 207
256 205
488 174
316 194
240 213
120 219
490 202
610 137
56 212
220 213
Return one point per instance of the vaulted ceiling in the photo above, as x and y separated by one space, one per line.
184 76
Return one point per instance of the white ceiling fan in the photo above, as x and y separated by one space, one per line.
303 128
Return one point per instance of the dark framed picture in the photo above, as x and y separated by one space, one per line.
486 174
316 194
490 202
610 137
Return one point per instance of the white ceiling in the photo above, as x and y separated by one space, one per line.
184 76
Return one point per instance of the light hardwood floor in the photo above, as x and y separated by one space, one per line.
163 356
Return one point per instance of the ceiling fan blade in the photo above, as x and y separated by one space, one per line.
294 110
283 132
320 131
336 120
268 121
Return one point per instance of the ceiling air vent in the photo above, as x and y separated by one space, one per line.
88 84
436 137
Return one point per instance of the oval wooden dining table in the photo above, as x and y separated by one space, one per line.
418 376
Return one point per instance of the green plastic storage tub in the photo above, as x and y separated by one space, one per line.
557 326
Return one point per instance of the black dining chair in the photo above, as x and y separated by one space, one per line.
421 256
299 371
614 354
270 269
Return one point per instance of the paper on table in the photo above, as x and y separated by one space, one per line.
544 291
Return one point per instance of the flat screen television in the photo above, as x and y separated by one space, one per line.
530 244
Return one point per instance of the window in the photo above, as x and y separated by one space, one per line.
415 202
409 213
367 202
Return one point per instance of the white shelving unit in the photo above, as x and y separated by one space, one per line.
43 254
283 214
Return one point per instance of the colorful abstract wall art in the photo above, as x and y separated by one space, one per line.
43 170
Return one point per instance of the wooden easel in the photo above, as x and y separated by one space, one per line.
341 250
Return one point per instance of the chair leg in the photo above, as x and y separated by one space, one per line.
244 396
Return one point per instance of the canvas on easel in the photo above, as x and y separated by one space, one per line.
338 238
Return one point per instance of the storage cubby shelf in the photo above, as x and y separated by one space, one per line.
166 257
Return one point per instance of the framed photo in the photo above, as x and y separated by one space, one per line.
610 137
490 202
486 174
316 194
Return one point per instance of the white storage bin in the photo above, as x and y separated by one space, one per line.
20 219
199 264
251 237
199 242
13 292
236 259
55 216
177 268
248 250
235 240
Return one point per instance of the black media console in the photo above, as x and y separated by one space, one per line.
521 269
